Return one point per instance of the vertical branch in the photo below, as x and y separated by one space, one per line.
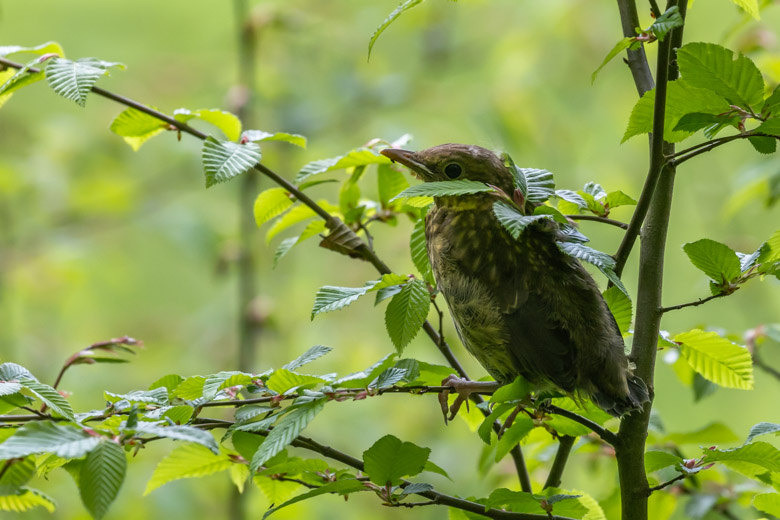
637 60
565 445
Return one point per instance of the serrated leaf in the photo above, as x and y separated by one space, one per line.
695 121
315 352
227 122
763 428
443 189
298 213
712 67
285 431
187 461
239 474
620 306
655 460
541 185
388 460
190 389
51 397
389 377
270 204
768 503
514 221
750 7
343 487
14 372
74 79
169 382
25 499
390 182
759 453
14 80
681 98
283 248
283 381
432 467
64 441
259 135
514 391
717 359
137 127
666 22
619 47
180 433
486 426
356 157
7 388
716 260
331 298
765 145
157 396
772 102
617 198
224 160
398 11
216 382
101 477
518 178
572 197
406 313
418 247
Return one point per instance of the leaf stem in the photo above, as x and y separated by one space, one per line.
668 482
700 301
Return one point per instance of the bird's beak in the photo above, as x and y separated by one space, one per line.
410 160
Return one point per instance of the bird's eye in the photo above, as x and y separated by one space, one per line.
453 170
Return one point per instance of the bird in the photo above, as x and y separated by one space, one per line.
522 307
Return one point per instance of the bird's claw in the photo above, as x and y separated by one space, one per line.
463 387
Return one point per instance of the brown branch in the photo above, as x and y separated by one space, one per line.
603 220
606 435
668 483
680 157
637 60
565 444
700 301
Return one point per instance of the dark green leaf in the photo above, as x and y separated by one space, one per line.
406 313
389 460
514 221
772 103
666 22
765 145
101 477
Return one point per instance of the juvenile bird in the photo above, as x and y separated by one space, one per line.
520 306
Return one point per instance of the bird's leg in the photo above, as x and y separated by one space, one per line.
464 388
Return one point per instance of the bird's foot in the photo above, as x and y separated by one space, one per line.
464 388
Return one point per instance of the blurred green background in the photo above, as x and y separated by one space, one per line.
98 241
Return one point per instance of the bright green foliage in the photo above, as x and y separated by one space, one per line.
44 48
14 80
716 260
344 487
74 79
65 441
521 427
669 20
655 460
541 185
259 135
189 389
513 220
390 182
768 503
356 157
271 203
619 47
388 460
169 382
25 499
763 428
227 122
620 305
315 352
223 160
179 433
406 313
284 381
521 502
716 432
187 461
443 189
157 396
602 261
285 431
717 359
216 382
136 127
758 453
398 11
418 246
513 392
101 477
330 298
50 397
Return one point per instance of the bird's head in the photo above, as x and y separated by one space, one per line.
448 162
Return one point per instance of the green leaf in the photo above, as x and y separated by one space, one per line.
572 197
158 396
666 22
227 122
521 427
620 306
388 460
187 461
259 135
770 126
74 79
398 11
343 487
331 298
716 260
617 198
190 389
406 313
284 381
514 221
712 67
356 157
486 427
101 477
541 185
44 48
12 372
521 502
64 441
298 213
14 80
655 460
717 359
18 473
443 189
768 503
180 433
759 453
390 182
619 47
518 389
435 468
271 203
315 352
772 103
285 431
7 388
296 466
763 428
51 397
169 382
750 7
713 433
602 261
418 246
518 177
681 98
223 160
216 382
765 145
137 127
24 500
695 121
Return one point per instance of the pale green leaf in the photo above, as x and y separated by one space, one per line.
343 487
717 359
759 453
137 127
514 221
620 306
283 381
11 81
541 185
713 433
443 188
64 441
101 477
521 427
617 198
216 382
356 157
763 428
406 313
239 474
224 160
716 260
768 503
398 11
271 203
315 352
435 468
24 500
44 48
388 460
390 182
14 372
770 126
190 389
418 247
187 461
7 388
285 431
750 7
227 122
331 298
572 197
619 47
157 396
655 460
169 382
259 135
51 397
180 433
74 79
712 67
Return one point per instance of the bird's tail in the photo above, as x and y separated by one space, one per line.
619 406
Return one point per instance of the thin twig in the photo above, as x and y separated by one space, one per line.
760 363
700 301
565 443
415 504
681 157
679 477
603 220
602 432
655 9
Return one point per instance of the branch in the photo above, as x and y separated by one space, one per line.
700 301
603 220
637 60
566 442
668 483
682 156
606 435
27 418
760 363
